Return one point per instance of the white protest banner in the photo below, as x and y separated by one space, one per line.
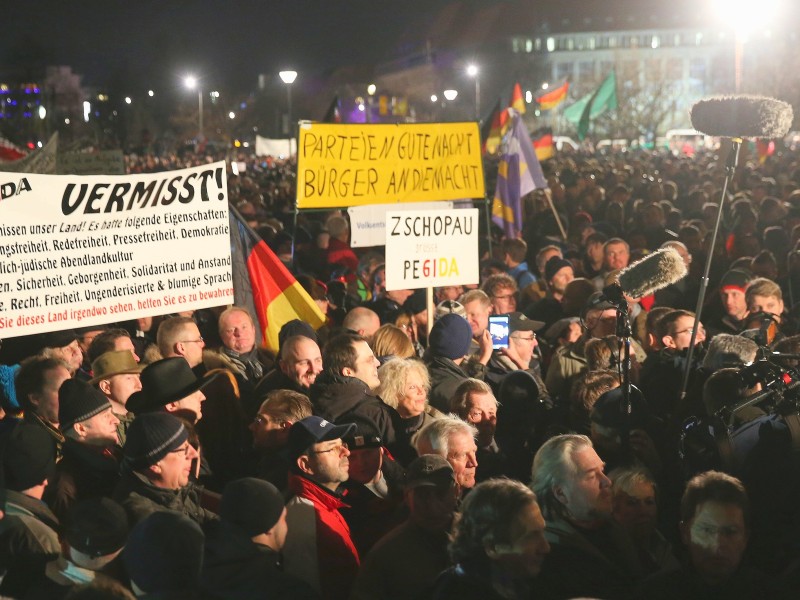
78 251
276 146
431 248
103 162
368 223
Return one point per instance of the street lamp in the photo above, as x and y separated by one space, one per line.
743 18
472 71
190 81
288 78
450 95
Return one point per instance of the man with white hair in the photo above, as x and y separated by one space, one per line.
455 440
591 555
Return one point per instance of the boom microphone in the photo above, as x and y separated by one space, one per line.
648 275
742 117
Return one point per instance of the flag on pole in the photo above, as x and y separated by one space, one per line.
332 115
603 99
517 99
519 173
263 285
552 98
542 140
498 125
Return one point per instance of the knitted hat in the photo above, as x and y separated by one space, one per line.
734 279
313 430
165 552
445 307
429 470
164 381
253 505
296 327
114 362
450 337
78 401
554 265
97 526
150 437
29 457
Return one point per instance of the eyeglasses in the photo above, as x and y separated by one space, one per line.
690 330
186 450
197 341
338 448
524 339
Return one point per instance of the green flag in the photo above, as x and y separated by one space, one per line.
603 99
573 112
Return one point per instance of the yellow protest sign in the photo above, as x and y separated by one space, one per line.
351 165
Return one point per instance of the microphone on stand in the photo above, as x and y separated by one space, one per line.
646 276
735 117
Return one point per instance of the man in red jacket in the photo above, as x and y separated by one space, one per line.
318 548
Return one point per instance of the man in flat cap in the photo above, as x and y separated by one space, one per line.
117 375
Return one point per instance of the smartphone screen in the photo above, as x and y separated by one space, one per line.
498 328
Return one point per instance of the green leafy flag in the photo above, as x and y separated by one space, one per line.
603 99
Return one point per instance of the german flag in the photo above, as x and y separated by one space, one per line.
496 130
517 99
263 285
554 97
542 140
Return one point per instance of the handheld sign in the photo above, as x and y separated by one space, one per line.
353 165
431 248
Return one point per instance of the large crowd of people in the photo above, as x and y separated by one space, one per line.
383 456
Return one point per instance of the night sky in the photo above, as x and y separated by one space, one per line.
151 43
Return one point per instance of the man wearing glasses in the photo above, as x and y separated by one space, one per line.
319 549
662 372
520 354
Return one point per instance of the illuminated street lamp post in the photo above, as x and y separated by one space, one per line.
190 81
472 71
744 17
288 78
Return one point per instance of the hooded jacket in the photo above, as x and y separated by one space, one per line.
336 396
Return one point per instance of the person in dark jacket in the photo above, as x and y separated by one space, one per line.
156 467
242 550
591 555
164 556
95 533
448 344
498 544
348 383
28 528
90 466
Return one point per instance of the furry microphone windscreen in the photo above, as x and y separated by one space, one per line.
652 273
742 117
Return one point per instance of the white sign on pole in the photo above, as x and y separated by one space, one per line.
368 223
431 248
78 251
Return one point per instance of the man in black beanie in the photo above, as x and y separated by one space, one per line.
164 556
156 466
448 345
242 550
90 464
28 531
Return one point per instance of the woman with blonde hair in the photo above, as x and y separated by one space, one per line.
405 384
391 342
